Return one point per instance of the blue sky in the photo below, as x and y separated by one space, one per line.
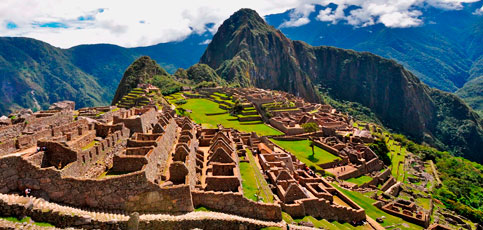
66 23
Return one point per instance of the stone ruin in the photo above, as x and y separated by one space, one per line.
152 161
301 191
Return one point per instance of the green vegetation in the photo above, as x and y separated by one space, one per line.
380 148
360 180
180 102
26 220
166 84
90 145
322 223
310 127
462 189
356 110
255 187
202 209
366 203
199 73
200 107
398 155
472 93
303 152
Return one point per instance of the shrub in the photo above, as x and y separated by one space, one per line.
380 148
180 102
310 127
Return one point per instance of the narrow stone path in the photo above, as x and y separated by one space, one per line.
112 217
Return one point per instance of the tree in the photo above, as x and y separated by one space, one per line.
312 145
237 108
181 111
380 148
310 127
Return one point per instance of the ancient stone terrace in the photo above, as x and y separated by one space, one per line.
99 165
301 191
150 160
221 172
408 211
138 120
24 130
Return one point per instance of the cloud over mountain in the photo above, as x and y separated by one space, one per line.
66 23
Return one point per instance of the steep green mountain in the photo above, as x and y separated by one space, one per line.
199 73
139 72
35 74
247 51
472 93
442 52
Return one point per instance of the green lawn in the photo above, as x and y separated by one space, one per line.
372 211
252 179
26 220
200 107
303 152
360 180
325 224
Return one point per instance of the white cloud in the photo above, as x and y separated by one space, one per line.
391 13
299 16
479 11
148 22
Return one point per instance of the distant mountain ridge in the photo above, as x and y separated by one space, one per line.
443 52
34 74
249 52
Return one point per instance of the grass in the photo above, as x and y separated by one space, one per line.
397 169
25 220
325 224
88 146
252 180
360 180
202 209
366 203
110 173
200 107
303 152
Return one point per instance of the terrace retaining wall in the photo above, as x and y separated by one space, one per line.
235 203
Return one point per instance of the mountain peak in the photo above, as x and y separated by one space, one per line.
140 71
245 17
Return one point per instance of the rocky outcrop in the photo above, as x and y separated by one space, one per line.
247 51
140 71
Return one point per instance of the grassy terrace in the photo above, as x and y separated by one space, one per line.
201 107
360 180
366 203
174 97
397 156
253 181
303 152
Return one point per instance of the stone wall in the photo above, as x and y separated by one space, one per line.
132 192
137 120
321 208
125 164
158 157
327 148
235 203
65 217
25 135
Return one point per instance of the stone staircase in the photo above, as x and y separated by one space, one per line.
81 218
61 210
